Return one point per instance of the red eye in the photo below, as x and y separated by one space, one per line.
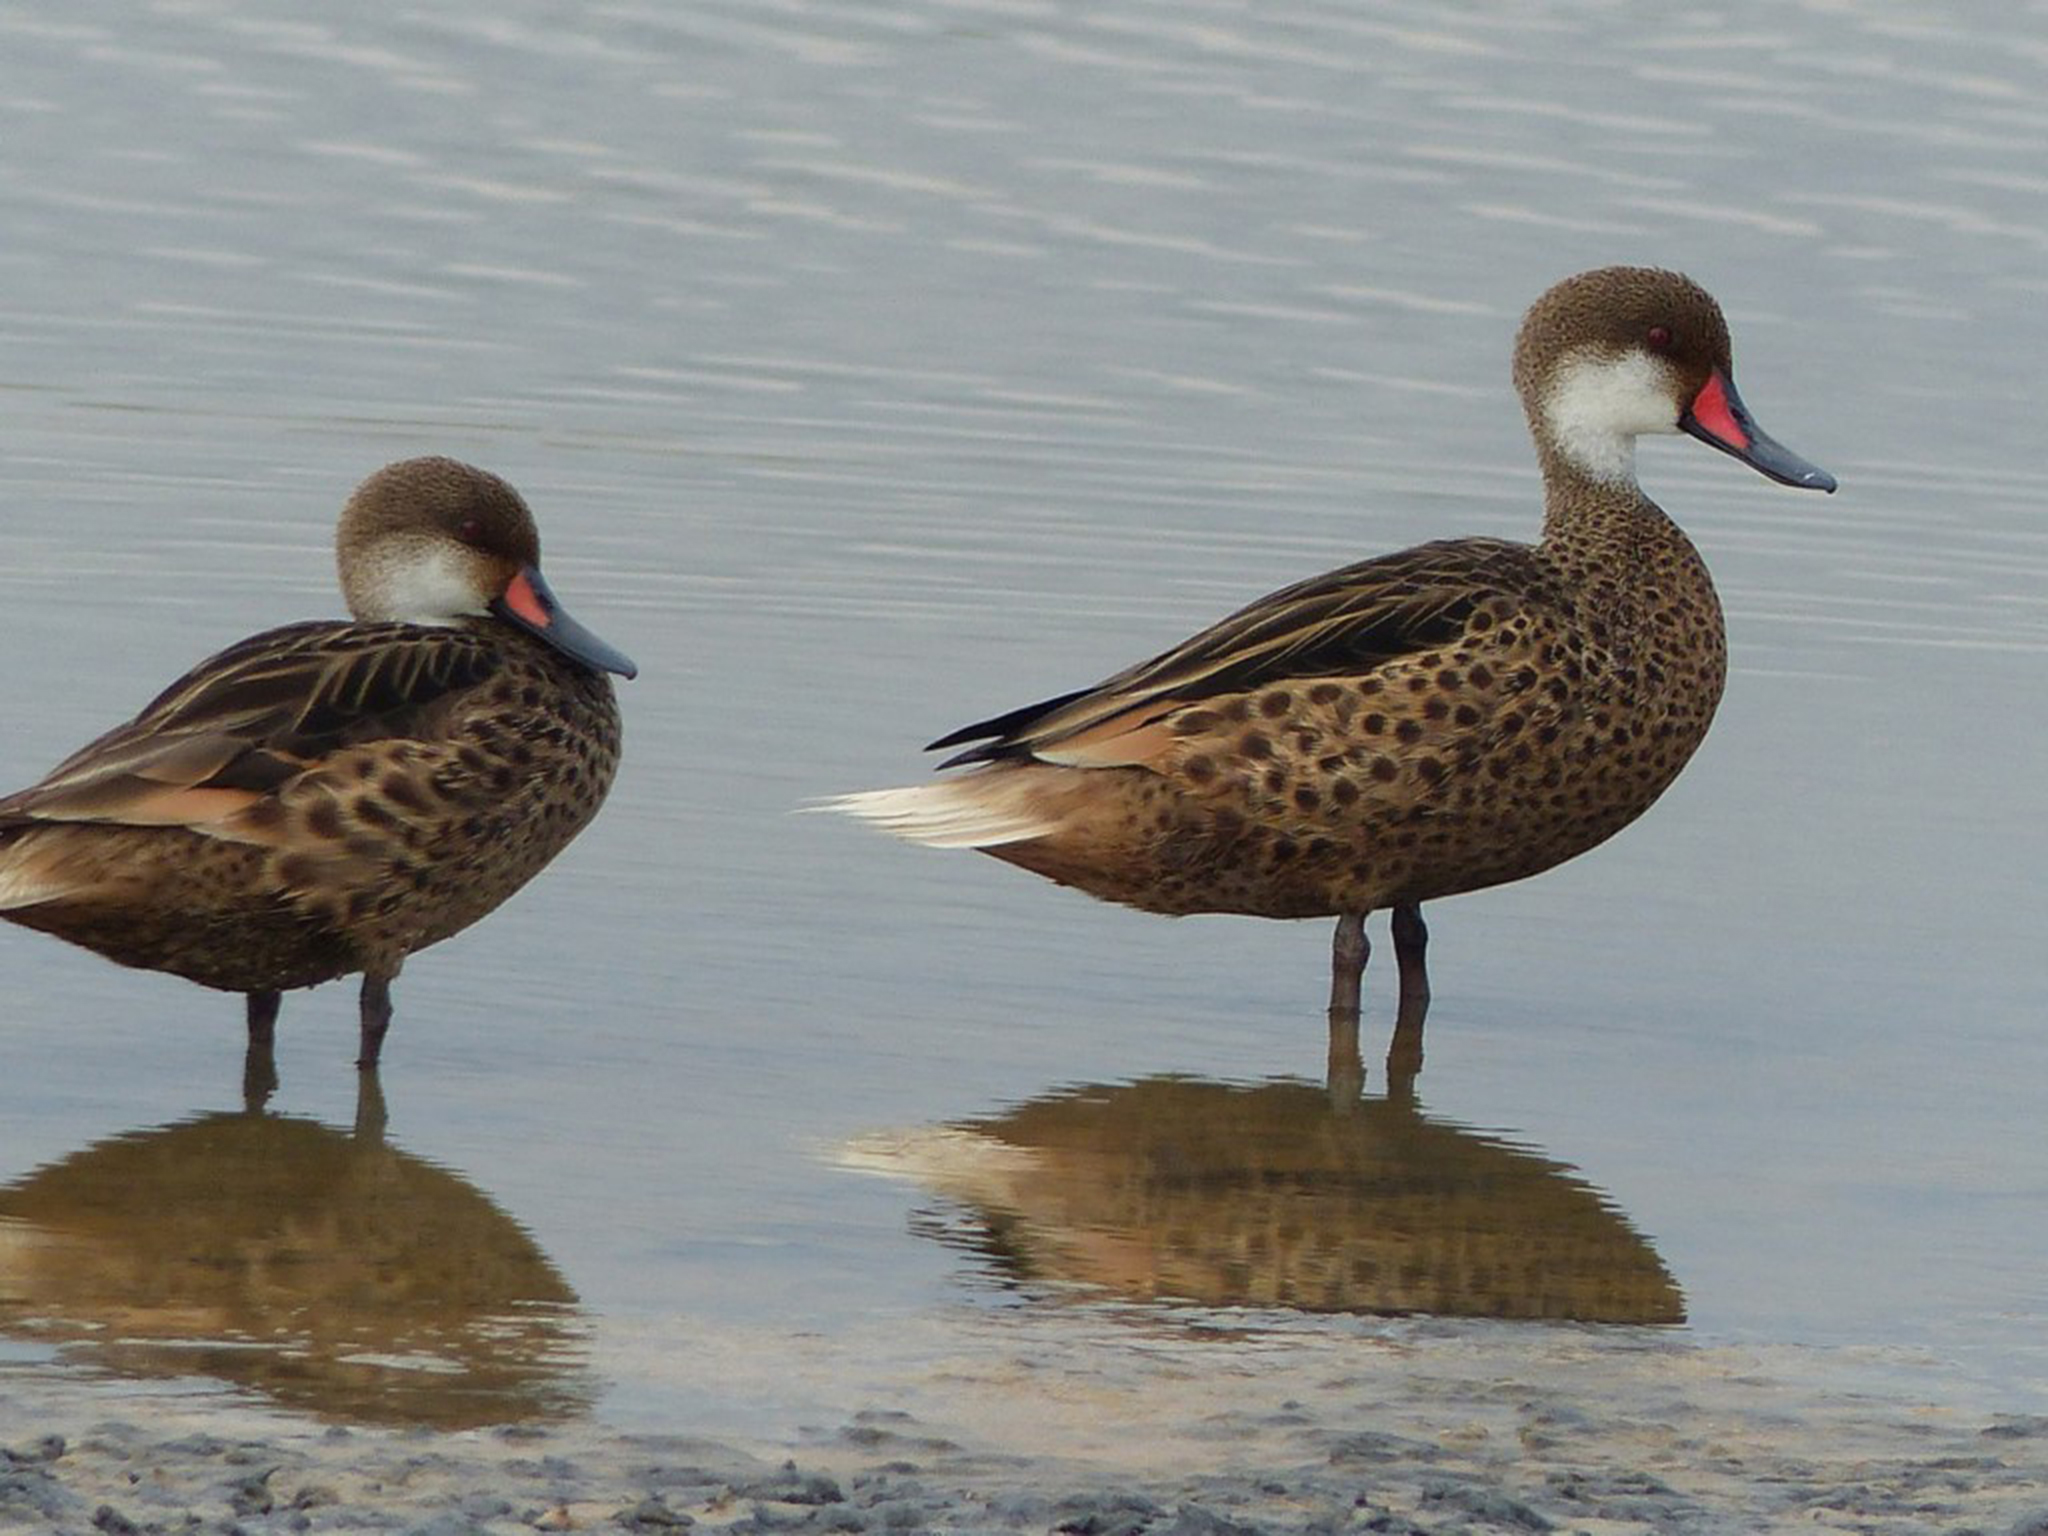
470 531
1659 338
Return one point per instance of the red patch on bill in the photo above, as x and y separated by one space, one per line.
1711 410
524 601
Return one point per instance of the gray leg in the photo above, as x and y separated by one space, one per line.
376 1016
1344 1075
259 1062
263 1008
369 1107
1349 951
1411 944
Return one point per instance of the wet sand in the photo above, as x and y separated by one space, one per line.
1420 1427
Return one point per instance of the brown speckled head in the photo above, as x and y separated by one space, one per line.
431 540
1611 355
1612 311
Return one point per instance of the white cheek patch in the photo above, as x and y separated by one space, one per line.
1598 403
431 583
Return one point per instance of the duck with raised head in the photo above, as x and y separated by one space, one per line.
1457 715
329 797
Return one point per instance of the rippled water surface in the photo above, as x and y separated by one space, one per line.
876 367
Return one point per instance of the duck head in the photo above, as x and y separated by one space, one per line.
435 541
1609 355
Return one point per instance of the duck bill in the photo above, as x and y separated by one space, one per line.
530 604
1718 416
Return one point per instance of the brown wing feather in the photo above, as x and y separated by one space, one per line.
1345 622
242 723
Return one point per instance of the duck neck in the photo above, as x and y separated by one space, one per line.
1603 520
1642 589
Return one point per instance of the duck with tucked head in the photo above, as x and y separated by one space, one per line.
326 798
1457 715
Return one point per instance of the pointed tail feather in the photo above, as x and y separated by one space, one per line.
976 810
34 870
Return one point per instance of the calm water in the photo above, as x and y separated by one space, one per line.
874 367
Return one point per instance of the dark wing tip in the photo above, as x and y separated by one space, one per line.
997 733
986 753
965 733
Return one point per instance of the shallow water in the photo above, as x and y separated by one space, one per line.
874 368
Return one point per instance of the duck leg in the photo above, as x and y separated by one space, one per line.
375 1010
263 1010
1411 945
1344 1074
259 1063
370 1114
1349 950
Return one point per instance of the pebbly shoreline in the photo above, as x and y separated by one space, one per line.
1575 1434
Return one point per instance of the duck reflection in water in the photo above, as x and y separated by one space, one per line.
1217 1194
321 1267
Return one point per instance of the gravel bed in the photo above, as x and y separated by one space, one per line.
1611 1443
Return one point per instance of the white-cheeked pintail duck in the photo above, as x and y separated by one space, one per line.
1460 714
328 797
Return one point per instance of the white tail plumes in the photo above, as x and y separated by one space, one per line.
30 876
976 810
22 889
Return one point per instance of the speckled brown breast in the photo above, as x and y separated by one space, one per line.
1586 673
446 836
